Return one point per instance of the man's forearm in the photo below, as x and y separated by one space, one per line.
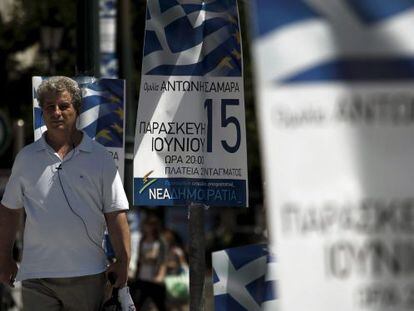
118 228
9 224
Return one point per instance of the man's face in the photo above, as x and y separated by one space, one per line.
59 112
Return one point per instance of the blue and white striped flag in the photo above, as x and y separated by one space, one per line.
244 278
354 40
192 38
102 114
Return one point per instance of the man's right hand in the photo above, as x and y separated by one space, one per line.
8 271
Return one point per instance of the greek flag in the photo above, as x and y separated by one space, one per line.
192 38
244 278
305 41
102 113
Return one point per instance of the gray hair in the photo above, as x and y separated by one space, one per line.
58 84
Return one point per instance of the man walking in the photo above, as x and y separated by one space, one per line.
71 191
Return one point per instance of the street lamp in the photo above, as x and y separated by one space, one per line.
50 39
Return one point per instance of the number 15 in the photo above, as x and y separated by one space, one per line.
225 121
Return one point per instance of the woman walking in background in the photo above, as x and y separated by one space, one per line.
151 266
177 277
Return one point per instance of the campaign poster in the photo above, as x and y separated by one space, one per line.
190 144
335 87
102 114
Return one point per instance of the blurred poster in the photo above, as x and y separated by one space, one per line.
107 38
102 114
244 278
190 133
335 86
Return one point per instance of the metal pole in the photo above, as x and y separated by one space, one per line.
87 37
197 256
19 141
126 72
19 138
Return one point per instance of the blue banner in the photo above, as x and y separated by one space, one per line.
183 191
107 37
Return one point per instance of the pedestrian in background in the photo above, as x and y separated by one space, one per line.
177 279
70 190
151 270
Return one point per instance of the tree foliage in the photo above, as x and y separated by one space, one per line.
20 33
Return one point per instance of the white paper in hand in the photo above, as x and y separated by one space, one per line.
125 299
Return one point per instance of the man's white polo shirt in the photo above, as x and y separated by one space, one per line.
56 242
